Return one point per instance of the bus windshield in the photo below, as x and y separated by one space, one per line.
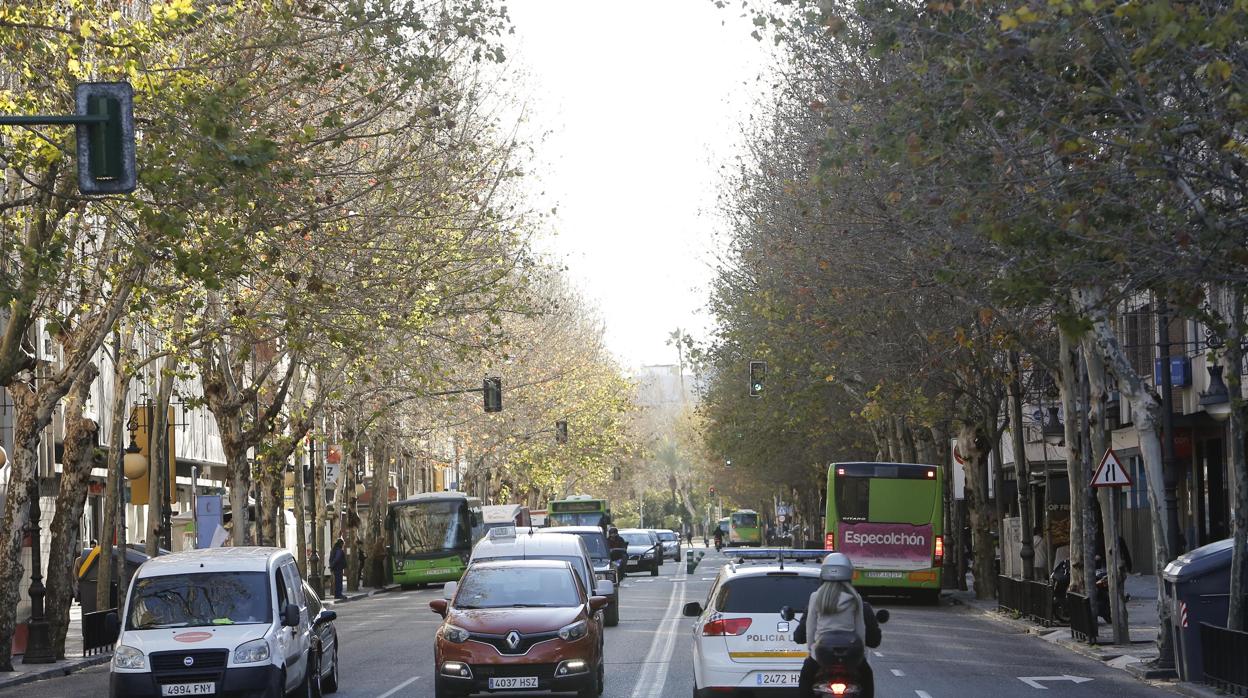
572 518
430 527
746 519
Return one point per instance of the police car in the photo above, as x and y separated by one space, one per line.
740 642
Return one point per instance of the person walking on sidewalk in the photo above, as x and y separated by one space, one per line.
338 565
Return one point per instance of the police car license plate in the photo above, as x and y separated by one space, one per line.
513 682
776 678
188 689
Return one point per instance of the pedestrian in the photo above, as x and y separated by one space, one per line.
359 570
689 537
338 565
1040 562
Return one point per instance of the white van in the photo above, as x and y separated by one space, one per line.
219 620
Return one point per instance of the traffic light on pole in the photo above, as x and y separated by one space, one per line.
758 371
105 147
493 389
561 432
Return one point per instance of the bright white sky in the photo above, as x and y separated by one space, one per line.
633 107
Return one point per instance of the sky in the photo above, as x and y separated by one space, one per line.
633 107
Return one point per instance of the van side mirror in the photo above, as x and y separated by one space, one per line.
693 609
604 587
449 589
290 616
786 612
325 616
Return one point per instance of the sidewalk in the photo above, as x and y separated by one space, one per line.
74 661
361 593
1134 658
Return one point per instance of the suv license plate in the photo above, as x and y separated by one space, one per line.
776 678
513 682
188 689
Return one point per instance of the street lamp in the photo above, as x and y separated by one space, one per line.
1217 400
1053 431
133 463
38 639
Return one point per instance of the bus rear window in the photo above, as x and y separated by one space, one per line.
885 500
765 594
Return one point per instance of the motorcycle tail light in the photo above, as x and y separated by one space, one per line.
838 688
829 541
940 551
726 626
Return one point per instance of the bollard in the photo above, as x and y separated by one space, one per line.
691 562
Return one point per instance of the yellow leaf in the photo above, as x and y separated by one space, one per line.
1008 23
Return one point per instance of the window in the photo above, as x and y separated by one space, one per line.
766 594
314 602
853 498
1138 339
203 599
505 587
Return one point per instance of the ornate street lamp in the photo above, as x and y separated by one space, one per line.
38 640
1053 431
1217 400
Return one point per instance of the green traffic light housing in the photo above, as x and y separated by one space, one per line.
105 144
758 371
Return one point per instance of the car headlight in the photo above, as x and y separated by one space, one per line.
251 652
126 657
649 553
454 634
575 631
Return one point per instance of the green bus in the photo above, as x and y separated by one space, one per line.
432 535
887 518
578 510
744 529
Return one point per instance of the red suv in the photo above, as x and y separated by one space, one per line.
518 625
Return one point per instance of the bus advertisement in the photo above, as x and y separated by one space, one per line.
744 528
578 510
432 535
887 518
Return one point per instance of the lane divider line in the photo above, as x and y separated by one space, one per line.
654 673
922 694
398 688
898 672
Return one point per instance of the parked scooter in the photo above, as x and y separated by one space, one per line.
840 656
1059 579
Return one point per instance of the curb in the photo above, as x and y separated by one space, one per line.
71 666
362 595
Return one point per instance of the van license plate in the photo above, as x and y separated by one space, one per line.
188 689
776 678
513 682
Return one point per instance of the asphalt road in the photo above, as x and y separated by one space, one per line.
928 652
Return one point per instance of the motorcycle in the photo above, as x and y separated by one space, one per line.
1060 581
841 657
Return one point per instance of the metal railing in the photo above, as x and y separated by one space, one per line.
1030 599
96 638
1223 656
1009 594
1082 622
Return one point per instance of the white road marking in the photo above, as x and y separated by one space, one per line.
654 673
398 688
1034 681
878 654
923 694
898 672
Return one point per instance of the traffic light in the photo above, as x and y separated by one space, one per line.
493 389
758 371
105 148
561 432
711 489
728 463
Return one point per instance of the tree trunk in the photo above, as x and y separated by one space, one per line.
1089 525
71 499
113 497
1022 469
1146 414
1076 479
32 413
318 515
159 504
301 495
975 446
953 551
1232 363
1107 496
351 523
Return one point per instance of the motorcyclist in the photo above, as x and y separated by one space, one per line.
836 607
719 539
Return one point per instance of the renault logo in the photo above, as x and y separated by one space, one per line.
513 640
188 661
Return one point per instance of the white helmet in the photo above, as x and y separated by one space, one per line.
836 567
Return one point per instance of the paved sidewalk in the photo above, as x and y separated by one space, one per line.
361 593
74 661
